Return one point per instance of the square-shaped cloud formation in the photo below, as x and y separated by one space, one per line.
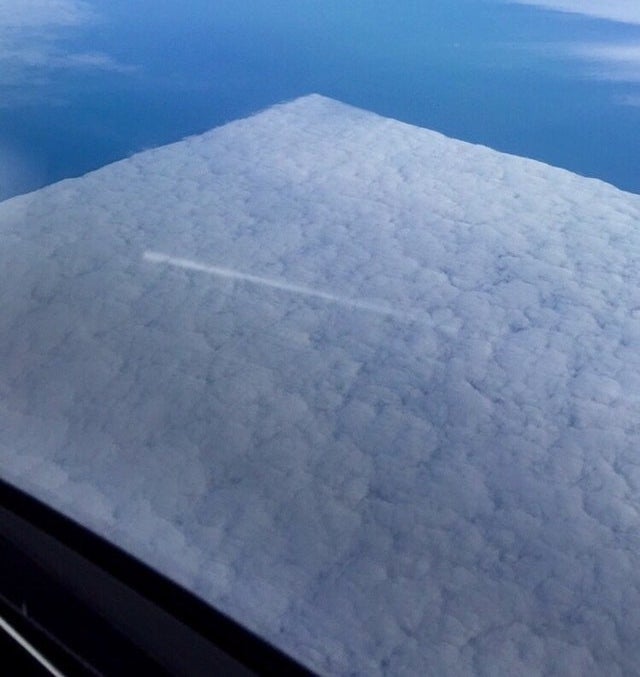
372 391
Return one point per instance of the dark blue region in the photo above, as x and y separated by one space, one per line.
461 68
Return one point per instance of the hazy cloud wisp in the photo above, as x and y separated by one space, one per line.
618 62
612 61
31 39
625 11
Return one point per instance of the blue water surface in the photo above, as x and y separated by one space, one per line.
485 71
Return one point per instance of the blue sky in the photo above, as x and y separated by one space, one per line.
85 83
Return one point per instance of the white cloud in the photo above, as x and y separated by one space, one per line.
617 53
625 11
609 61
615 60
38 14
32 36
456 494
91 61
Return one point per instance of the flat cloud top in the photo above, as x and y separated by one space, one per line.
370 390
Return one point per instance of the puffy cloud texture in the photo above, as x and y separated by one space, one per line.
373 391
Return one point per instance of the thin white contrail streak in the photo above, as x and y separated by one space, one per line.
156 257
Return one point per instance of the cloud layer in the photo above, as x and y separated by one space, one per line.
451 489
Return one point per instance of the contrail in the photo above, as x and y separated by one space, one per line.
156 257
